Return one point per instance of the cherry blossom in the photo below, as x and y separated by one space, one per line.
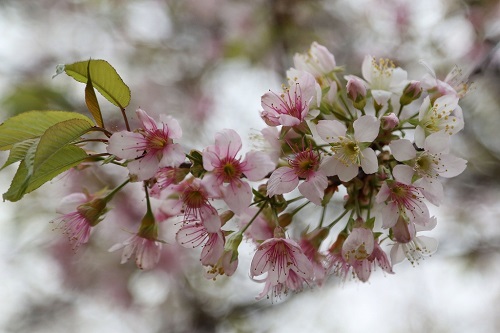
150 147
194 234
290 107
80 213
443 115
284 262
399 197
225 169
430 163
305 164
384 78
147 251
350 150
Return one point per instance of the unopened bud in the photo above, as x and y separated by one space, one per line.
389 122
356 91
285 219
411 92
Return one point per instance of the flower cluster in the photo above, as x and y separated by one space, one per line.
382 137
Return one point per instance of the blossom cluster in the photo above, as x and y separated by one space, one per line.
381 138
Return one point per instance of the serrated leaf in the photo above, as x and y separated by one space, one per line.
32 124
19 150
18 185
104 78
91 100
56 137
48 156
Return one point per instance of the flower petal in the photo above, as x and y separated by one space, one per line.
402 150
366 128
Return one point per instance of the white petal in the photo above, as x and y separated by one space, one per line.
437 142
366 128
346 173
330 130
369 162
124 145
453 166
381 96
397 254
403 173
402 150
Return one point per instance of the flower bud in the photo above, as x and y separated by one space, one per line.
285 219
411 92
356 91
92 211
389 122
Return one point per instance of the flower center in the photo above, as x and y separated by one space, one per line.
304 163
157 140
406 196
347 151
229 170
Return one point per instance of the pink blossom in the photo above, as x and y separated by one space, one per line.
225 169
147 251
400 198
310 244
318 61
191 198
194 234
350 150
356 88
150 147
284 262
304 165
430 163
290 107
362 253
456 82
80 213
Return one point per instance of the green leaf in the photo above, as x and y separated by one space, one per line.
56 138
104 78
19 150
47 157
91 100
32 124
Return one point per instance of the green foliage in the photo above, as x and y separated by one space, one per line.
44 143
104 78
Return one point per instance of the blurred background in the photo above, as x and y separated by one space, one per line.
207 63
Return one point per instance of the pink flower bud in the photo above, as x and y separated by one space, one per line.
412 91
356 91
390 121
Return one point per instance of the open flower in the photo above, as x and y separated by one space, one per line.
193 234
290 107
384 78
400 198
225 169
150 147
430 163
350 150
80 213
304 165
443 115
284 262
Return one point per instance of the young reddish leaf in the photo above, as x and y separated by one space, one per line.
91 100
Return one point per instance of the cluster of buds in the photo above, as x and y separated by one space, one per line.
382 137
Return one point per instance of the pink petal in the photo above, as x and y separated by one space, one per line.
148 123
282 180
314 188
237 195
144 168
257 165
213 249
174 129
124 145
383 193
173 156
227 143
